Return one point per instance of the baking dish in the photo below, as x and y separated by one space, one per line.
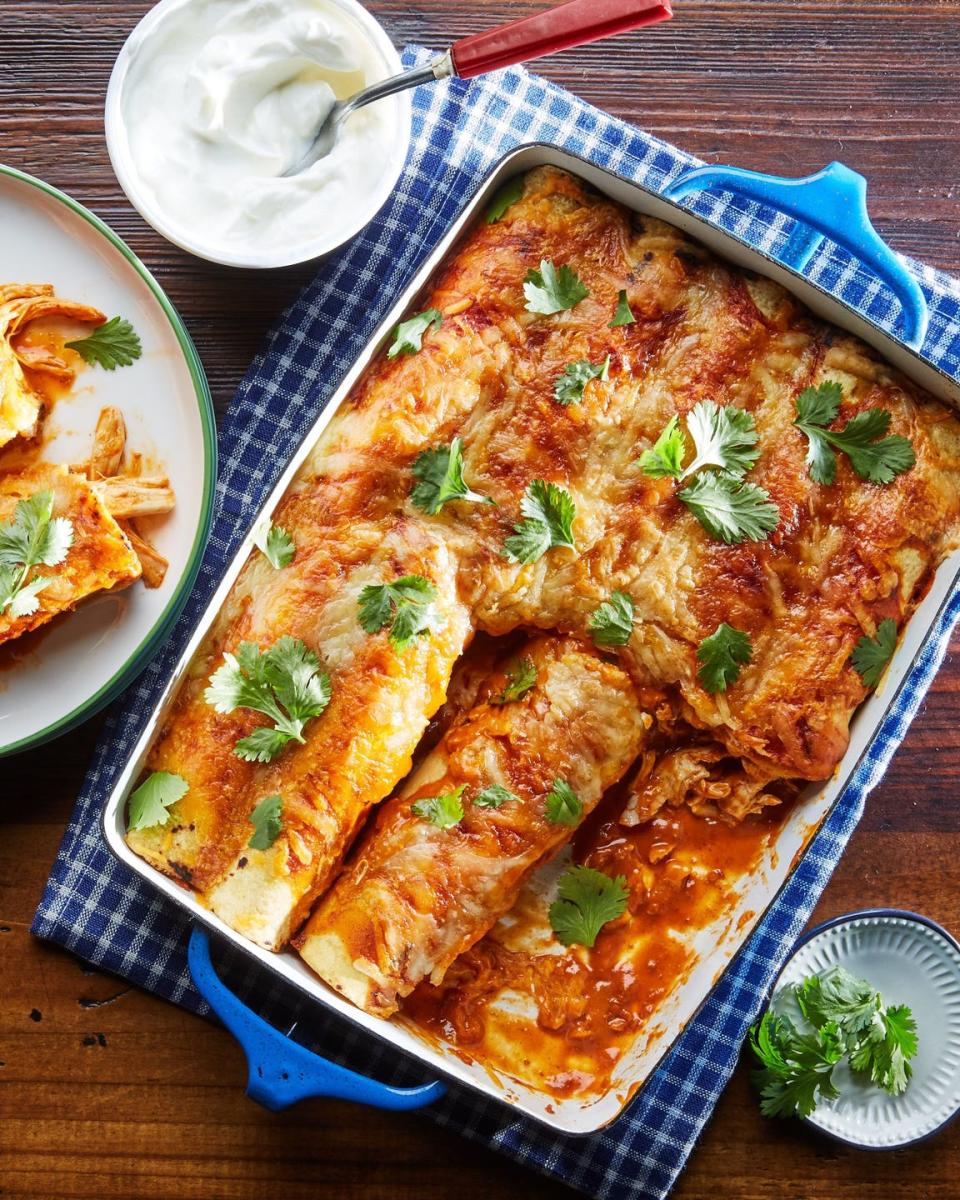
832 204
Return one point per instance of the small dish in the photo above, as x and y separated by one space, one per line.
911 960
254 255
53 679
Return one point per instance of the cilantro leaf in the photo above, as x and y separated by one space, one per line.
553 289
587 900
113 344
730 510
836 995
820 405
570 386
267 822
148 805
885 1051
623 314
440 475
871 655
444 811
274 543
563 805
612 623
665 457
795 1066
848 1019
722 655
876 458
503 198
406 605
521 677
284 683
32 538
408 336
548 512
723 437
493 795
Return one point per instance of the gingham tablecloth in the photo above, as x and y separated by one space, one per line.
93 906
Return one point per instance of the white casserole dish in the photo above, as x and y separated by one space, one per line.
714 945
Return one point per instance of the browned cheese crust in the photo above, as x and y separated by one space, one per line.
841 559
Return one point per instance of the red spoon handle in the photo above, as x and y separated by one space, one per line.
570 24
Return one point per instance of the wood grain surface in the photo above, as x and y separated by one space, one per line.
108 1092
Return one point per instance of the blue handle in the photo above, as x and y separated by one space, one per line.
832 203
281 1071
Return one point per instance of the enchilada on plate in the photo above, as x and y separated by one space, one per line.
593 429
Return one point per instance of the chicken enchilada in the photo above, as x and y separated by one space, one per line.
596 430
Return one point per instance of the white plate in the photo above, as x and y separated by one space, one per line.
83 659
912 961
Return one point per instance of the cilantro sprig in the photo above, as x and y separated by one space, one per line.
623 314
721 655
494 795
563 806
847 1018
284 683
113 344
548 513
443 811
612 623
521 677
871 654
408 336
551 289
439 473
725 449
503 198
406 605
275 544
570 386
149 805
874 457
586 901
729 511
267 822
34 537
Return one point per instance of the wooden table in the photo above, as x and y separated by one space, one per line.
108 1092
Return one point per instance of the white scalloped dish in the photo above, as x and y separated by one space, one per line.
911 961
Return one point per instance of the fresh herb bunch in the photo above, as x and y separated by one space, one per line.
847 1019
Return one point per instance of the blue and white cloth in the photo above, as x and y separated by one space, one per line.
93 906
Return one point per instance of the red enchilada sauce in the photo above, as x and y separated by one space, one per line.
572 1012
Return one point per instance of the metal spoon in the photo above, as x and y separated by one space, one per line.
570 24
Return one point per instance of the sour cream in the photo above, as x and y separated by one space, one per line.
218 97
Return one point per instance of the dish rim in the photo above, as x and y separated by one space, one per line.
875 916
158 631
509 163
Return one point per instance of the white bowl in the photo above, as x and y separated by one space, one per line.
121 157
911 960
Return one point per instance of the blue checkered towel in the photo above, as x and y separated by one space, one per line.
93 906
